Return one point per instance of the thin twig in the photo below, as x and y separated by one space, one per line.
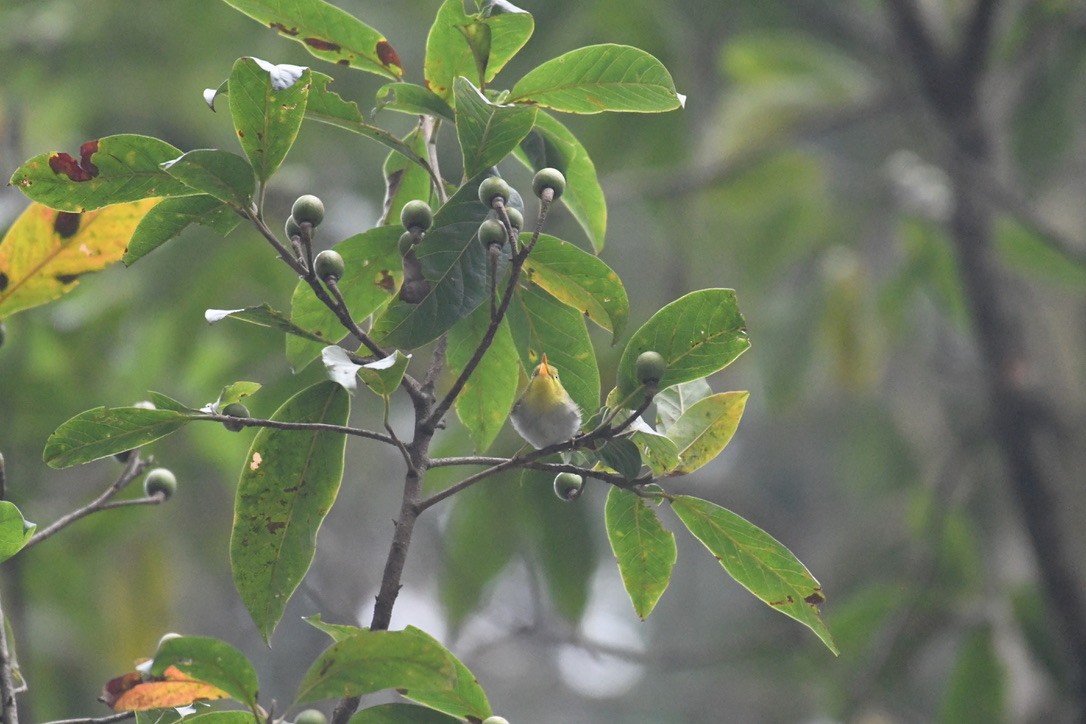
430 126
312 426
9 712
120 716
349 322
132 469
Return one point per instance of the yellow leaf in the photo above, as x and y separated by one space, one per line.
46 251
134 692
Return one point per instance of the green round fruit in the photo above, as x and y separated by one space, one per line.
568 486
494 186
492 233
650 368
310 716
235 409
328 265
407 242
495 720
291 228
516 219
160 480
548 178
308 208
417 214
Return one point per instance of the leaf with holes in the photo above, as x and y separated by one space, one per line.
45 251
288 483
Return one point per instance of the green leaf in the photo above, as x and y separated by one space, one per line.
405 180
170 217
541 324
484 403
476 46
413 99
338 631
487 132
267 103
382 376
600 78
215 717
212 662
401 714
645 550
372 272
696 334
455 264
103 431
550 144
288 484
262 316
674 401
165 402
235 392
479 541
464 698
976 691
328 107
111 170
220 174
658 451
581 280
622 456
374 660
756 561
706 428
327 33
15 531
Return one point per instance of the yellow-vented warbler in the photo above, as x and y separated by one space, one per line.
545 414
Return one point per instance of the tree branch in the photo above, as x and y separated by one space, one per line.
313 426
132 469
9 712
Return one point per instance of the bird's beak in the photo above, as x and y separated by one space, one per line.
543 368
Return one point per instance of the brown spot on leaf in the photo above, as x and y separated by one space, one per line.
66 279
815 598
257 459
279 27
3 281
343 61
276 526
66 224
387 54
386 281
787 601
83 170
321 44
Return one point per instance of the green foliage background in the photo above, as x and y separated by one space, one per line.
799 174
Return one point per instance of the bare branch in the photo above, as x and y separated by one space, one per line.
132 469
9 712
120 716
313 426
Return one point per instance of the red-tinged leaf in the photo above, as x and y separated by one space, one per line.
46 251
135 692
110 170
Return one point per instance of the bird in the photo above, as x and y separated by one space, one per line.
545 414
